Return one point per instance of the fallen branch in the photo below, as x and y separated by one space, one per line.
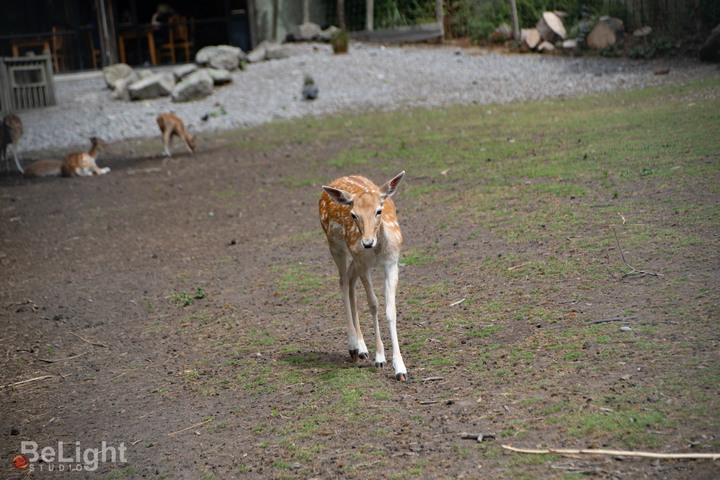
633 273
55 360
88 341
517 266
13 385
457 303
432 379
191 427
614 319
624 453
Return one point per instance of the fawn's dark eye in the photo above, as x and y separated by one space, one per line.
352 214
379 212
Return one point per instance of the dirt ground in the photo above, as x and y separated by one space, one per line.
120 295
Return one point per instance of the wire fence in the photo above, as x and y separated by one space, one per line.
463 17
386 13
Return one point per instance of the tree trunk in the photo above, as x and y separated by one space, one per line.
369 15
514 18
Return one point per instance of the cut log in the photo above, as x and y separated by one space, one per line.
531 37
551 27
607 33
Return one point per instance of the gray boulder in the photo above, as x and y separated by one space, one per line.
306 32
144 73
220 56
267 51
258 53
220 76
121 88
275 51
119 73
328 34
197 85
184 70
152 86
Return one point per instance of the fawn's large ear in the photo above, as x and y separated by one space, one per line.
389 188
340 196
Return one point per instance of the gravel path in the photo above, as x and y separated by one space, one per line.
370 77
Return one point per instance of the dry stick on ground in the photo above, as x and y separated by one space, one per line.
614 319
13 385
190 427
634 273
55 360
624 453
88 341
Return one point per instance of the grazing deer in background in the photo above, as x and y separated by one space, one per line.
360 222
171 125
11 130
83 164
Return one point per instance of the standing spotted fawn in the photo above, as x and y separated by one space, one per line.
83 164
11 130
171 125
360 222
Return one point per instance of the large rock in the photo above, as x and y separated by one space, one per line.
329 33
184 70
267 51
275 51
144 73
220 76
306 32
258 53
154 85
194 86
220 56
119 73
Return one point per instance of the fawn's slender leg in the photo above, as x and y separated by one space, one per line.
344 274
167 139
373 305
391 280
16 157
362 348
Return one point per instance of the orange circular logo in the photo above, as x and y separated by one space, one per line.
20 462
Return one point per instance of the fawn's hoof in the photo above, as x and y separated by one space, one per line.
380 364
364 356
355 354
402 377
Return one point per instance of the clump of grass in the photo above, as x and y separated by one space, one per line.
183 299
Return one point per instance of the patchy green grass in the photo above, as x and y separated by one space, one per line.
532 226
